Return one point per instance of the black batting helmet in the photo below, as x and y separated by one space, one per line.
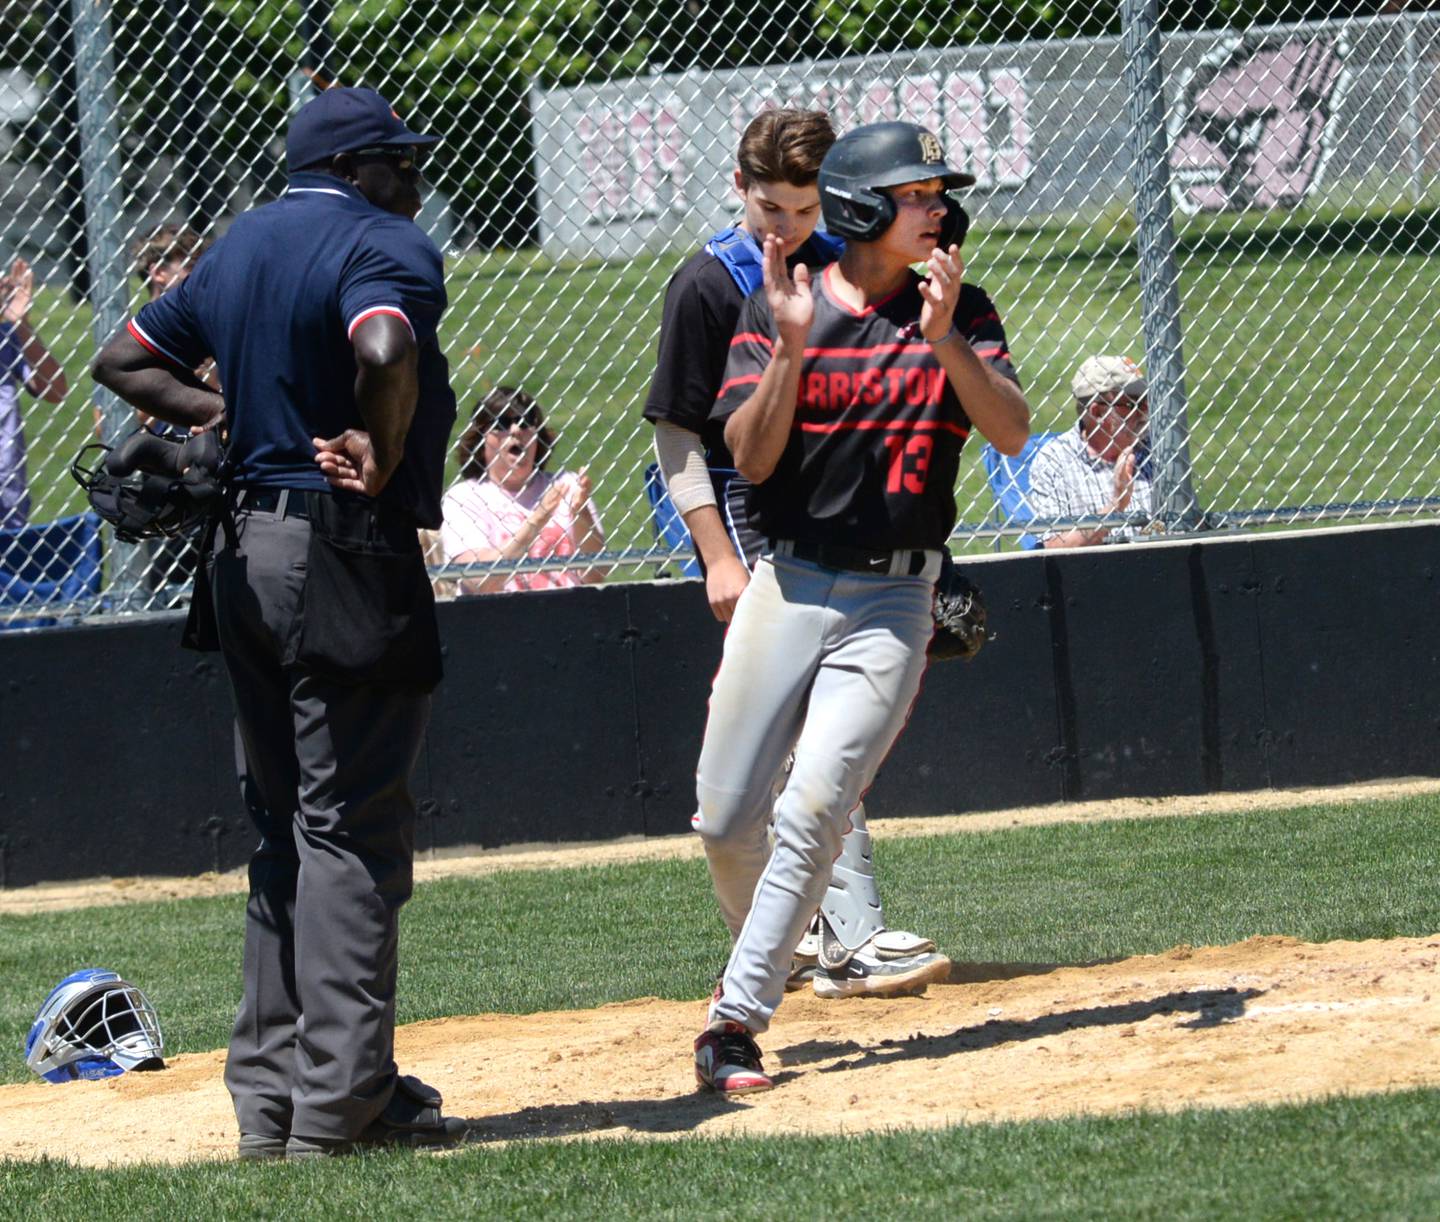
863 162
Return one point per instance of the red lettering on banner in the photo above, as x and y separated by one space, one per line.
836 103
632 163
1012 152
669 154
642 141
877 103
966 139
981 117
920 102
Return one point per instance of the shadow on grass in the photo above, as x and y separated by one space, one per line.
1211 1007
673 1115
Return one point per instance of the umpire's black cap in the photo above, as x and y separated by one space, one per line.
341 120
890 154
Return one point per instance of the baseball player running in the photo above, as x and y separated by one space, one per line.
846 400
847 950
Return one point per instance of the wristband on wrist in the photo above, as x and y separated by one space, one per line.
946 338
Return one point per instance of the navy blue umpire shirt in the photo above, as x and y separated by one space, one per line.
275 302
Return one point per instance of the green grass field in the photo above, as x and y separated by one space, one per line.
1307 381
1370 1158
527 941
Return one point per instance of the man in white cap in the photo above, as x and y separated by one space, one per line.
1097 467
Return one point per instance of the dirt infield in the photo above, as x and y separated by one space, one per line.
1267 1020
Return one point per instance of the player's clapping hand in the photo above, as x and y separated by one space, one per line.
791 304
348 462
940 290
17 291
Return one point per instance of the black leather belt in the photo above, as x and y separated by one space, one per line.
283 502
851 559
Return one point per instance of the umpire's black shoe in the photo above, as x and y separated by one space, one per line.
412 1119
256 1147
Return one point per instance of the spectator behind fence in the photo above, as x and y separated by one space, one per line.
24 362
508 506
162 259
1096 467
165 256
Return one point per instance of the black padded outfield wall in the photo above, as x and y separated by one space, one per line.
1184 667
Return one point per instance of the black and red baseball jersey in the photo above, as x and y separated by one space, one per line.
875 446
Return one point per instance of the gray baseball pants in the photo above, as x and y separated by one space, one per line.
832 662
325 770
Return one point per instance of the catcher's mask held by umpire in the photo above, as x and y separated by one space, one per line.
863 162
94 1025
151 486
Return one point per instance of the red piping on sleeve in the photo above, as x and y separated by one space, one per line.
393 311
150 345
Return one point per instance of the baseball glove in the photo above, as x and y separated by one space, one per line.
959 613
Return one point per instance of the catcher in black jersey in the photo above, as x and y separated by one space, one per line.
846 401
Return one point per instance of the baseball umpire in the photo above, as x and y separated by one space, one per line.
846 401
775 176
320 310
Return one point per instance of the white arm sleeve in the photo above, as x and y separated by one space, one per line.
682 465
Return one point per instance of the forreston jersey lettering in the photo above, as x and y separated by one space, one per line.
875 445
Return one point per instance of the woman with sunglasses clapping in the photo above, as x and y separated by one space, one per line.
507 506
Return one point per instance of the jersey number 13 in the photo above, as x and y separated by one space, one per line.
909 462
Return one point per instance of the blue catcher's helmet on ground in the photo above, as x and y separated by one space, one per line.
93 1025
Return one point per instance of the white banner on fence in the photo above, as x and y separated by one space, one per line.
1257 121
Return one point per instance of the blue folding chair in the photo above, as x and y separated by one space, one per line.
669 525
50 567
1010 484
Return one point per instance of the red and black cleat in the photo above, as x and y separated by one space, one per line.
727 1061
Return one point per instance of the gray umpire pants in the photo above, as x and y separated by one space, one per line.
326 775
831 662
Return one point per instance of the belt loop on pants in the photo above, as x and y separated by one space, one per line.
905 562
282 502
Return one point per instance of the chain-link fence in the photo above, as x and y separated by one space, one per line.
1249 211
